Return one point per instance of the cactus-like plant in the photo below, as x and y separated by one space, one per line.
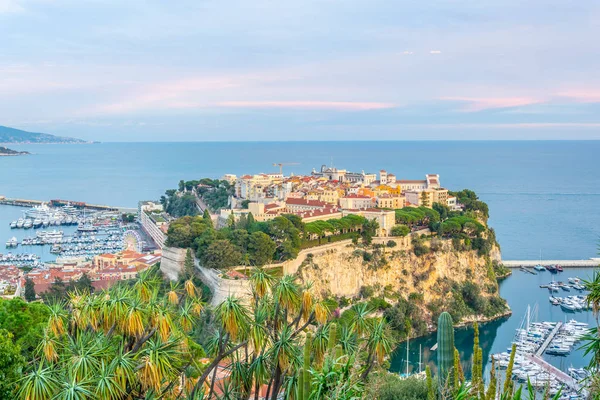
445 350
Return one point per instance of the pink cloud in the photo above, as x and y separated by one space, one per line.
487 103
581 96
309 104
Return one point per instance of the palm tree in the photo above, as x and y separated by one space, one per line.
117 344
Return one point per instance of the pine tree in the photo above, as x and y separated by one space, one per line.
29 289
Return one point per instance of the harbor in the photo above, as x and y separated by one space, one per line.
42 233
532 341
519 289
536 264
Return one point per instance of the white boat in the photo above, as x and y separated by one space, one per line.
37 222
11 243
27 224
13 225
41 211
20 223
568 306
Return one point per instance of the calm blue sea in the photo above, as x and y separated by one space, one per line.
543 195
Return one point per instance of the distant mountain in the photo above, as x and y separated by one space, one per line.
14 136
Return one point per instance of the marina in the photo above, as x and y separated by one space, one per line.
65 231
532 341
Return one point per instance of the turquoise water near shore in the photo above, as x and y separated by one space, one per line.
520 290
542 196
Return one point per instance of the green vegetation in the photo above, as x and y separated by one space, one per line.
179 204
471 203
415 217
248 242
25 321
29 289
400 230
445 351
466 299
406 317
127 342
128 218
11 364
182 202
59 290
215 193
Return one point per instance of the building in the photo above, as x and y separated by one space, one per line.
9 280
356 201
440 195
386 200
341 175
154 221
433 181
412 185
385 218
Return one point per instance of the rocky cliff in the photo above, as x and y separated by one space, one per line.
441 278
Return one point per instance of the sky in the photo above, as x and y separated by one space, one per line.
222 70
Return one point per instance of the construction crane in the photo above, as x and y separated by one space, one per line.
280 165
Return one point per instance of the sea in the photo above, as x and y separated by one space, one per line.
543 197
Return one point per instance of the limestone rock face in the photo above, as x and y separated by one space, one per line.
344 271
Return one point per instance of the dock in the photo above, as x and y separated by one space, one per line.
589 263
549 368
549 339
78 204
552 370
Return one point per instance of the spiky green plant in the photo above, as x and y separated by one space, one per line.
445 350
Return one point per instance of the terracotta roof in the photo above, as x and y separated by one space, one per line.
356 196
108 255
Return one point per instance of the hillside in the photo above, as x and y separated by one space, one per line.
4 151
15 136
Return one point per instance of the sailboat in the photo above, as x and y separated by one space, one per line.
540 267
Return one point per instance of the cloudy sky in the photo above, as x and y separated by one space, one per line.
301 69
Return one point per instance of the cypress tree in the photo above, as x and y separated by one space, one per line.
250 221
29 289
188 265
207 219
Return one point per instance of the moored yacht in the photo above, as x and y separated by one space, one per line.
13 225
11 243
